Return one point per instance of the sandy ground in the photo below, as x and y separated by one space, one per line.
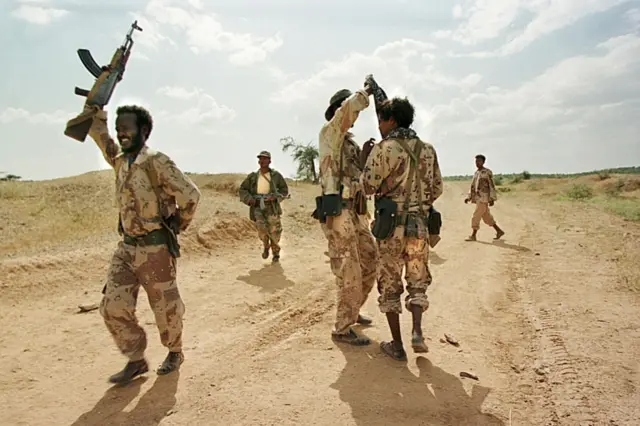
543 320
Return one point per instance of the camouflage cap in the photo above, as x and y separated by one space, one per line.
265 154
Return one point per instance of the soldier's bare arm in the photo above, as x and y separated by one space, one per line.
438 184
99 132
178 185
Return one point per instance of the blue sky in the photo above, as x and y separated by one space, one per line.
538 85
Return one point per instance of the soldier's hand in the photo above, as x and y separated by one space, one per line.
466 200
329 222
252 202
491 203
366 150
368 80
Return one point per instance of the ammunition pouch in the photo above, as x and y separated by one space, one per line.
434 222
328 205
385 218
318 214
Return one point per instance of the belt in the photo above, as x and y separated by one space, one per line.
347 203
153 238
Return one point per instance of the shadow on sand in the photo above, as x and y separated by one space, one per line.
500 243
270 278
153 406
435 259
381 391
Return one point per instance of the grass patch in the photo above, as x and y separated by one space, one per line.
516 179
627 208
535 186
578 192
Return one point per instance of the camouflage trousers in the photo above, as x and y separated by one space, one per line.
354 262
269 230
400 252
153 268
482 212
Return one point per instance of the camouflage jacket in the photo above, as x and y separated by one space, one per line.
483 189
387 171
140 211
249 190
331 140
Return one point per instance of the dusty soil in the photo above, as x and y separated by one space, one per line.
548 320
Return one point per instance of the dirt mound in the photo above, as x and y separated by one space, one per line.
224 230
223 183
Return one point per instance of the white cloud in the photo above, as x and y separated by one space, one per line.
38 14
177 92
389 62
150 35
633 15
484 20
204 32
569 103
11 115
206 111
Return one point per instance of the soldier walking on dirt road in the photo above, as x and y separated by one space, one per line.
263 191
155 201
404 174
483 194
342 212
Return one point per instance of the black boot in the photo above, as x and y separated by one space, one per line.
130 371
171 363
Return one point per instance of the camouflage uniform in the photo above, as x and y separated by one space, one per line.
351 247
482 193
136 264
267 220
386 173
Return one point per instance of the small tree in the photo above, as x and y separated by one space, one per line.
305 156
8 177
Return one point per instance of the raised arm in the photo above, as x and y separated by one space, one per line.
332 138
379 95
99 132
347 114
179 186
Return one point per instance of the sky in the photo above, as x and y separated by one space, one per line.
547 86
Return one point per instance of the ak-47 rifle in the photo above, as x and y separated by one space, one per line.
107 77
262 198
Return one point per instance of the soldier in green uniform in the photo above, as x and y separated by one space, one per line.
263 191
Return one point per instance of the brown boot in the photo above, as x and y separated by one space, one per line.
130 371
171 363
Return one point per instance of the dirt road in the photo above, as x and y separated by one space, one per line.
539 318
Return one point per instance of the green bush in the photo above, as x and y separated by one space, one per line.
525 175
579 191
